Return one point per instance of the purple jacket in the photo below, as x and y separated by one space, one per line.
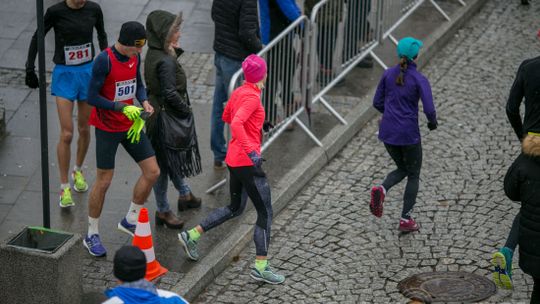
399 105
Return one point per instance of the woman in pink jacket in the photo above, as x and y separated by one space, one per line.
245 114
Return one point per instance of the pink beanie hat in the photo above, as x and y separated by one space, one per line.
254 68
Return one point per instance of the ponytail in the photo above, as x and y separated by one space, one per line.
402 68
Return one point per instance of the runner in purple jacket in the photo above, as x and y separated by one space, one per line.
397 96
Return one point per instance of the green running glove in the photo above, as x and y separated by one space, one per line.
134 133
131 112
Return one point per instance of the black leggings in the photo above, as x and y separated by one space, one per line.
535 297
409 161
512 240
247 182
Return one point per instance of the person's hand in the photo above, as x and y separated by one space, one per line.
131 112
134 133
267 126
255 158
31 79
432 125
148 107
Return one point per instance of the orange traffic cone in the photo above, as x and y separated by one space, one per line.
143 240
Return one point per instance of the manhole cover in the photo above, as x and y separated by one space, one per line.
447 287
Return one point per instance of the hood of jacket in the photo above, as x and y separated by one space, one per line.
531 146
160 27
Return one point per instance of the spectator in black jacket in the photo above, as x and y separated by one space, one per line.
526 85
522 183
236 36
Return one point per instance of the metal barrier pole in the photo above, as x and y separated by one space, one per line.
440 10
400 20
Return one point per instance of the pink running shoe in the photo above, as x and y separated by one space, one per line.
408 225
377 199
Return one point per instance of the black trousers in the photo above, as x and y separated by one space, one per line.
535 297
409 161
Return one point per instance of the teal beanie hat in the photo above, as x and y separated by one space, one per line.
409 47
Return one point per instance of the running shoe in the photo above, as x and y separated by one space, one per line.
377 199
79 182
267 276
126 227
190 246
65 198
409 225
94 246
502 264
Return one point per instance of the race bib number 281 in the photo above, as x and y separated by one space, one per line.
78 54
125 89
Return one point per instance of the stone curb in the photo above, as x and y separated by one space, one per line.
206 270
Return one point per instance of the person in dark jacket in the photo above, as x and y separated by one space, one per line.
397 96
526 85
522 183
236 36
276 16
172 129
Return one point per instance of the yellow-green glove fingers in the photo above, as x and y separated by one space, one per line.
131 112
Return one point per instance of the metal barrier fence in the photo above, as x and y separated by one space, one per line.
312 55
284 97
344 32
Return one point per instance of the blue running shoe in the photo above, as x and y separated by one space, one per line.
502 264
190 246
126 227
267 275
94 246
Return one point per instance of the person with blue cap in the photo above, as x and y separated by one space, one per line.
397 96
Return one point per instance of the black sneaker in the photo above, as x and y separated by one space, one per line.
219 165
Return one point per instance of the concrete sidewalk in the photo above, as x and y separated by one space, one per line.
293 159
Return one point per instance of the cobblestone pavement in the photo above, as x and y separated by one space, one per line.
333 251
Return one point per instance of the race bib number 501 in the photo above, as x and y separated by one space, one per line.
125 89
78 54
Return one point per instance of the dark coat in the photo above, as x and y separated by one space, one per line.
237 33
526 85
175 145
522 183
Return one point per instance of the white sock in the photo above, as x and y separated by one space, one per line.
383 190
64 186
76 168
93 224
133 213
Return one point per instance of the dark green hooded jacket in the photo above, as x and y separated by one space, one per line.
172 128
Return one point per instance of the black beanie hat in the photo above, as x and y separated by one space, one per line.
132 33
129 264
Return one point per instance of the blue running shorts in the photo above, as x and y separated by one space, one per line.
71 81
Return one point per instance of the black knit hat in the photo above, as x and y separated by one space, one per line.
129 264
132 33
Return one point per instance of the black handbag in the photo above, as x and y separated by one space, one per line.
176 132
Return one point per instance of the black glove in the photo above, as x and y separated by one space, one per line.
31 79
267 126
258 171
432 125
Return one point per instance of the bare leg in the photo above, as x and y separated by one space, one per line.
150 173
83 142
99 189
63 149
